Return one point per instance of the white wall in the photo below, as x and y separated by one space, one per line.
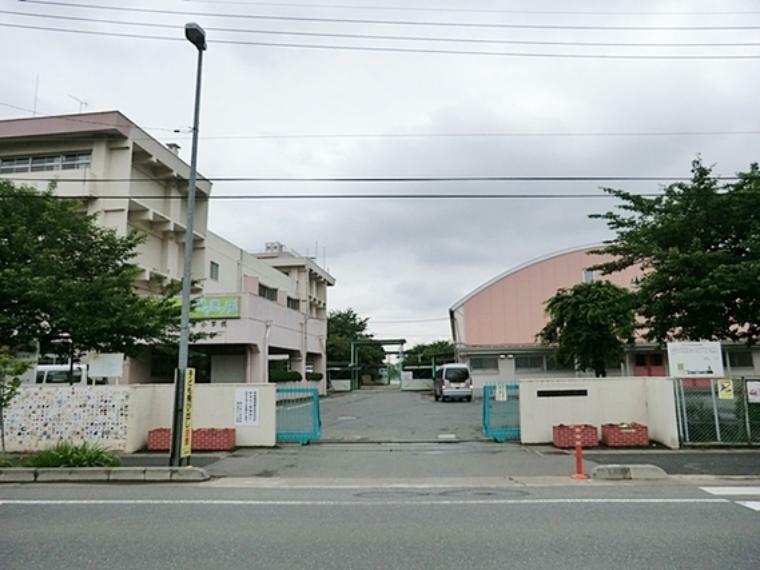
228 368
609 400
119 417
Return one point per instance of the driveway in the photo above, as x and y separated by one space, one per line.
389 415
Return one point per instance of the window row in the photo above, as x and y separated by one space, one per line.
72 161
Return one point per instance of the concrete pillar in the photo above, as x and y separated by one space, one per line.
256 365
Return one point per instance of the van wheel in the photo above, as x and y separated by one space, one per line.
469 398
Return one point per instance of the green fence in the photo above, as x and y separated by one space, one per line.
717 412
298 417
501 412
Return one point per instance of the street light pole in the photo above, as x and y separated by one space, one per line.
197 36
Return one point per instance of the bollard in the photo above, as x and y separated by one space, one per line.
579 472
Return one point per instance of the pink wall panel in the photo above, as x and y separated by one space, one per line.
511 310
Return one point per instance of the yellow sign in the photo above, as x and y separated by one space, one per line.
187 417
726 389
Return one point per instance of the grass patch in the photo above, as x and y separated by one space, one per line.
7 460
70 455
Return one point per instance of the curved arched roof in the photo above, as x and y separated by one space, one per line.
520 267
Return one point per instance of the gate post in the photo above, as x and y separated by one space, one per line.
713 382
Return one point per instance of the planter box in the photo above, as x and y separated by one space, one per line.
204 439
564 436
625 435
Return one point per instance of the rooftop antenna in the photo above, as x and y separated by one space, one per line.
82 103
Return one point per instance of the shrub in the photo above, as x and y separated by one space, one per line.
284 376
314 376
70 455
7 460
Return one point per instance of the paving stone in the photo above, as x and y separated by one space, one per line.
72 474
189 474
127 474
157 474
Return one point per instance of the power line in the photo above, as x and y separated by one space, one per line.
390 22
480 10
78 119
381 49
393 37
383 180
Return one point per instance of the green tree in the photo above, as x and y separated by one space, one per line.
424 353
698 245
590 325
344 327
68 283
10 370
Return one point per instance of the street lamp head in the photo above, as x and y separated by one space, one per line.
196 35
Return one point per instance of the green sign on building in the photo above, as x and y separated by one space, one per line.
215 308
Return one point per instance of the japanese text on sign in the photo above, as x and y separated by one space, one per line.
247 406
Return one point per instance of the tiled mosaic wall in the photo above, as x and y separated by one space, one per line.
41 416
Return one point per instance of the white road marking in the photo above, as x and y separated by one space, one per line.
754 505
363 503
447 436
732 491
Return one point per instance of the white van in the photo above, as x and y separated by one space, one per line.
453 381
59 374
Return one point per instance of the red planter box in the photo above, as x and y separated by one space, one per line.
625 435
565 436
204 439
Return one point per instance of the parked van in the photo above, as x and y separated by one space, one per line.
453 381
59 374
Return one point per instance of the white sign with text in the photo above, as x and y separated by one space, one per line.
702 359
247 406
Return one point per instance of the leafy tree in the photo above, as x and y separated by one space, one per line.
68 283
699 247
424 353
10 370
590 325
346 326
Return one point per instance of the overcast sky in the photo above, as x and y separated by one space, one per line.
403 260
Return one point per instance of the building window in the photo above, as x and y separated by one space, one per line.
213 271
294 304
73 161
529 362
740 359
268 292
588 276
482 363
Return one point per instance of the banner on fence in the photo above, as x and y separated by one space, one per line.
501 393
753 392
726 389
187 418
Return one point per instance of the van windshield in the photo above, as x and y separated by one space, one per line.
457 374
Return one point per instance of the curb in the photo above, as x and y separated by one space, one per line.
628 472
104 475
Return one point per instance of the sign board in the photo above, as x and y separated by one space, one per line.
225 307
110 365
501 394
753 392
726 389
187 417
247 406
695 359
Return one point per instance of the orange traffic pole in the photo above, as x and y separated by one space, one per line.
579 472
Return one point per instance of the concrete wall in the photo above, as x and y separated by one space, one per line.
213 407
119 417
228 368
648 401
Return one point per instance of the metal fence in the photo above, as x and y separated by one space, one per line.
298 417
501 412
717 411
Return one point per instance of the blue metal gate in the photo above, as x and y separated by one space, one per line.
298 415
501 417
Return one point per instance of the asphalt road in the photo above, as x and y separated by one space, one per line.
202 526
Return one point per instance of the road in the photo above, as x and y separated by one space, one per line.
222 524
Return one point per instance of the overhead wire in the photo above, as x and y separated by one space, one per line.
495 25
385 49
481 10
392 37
